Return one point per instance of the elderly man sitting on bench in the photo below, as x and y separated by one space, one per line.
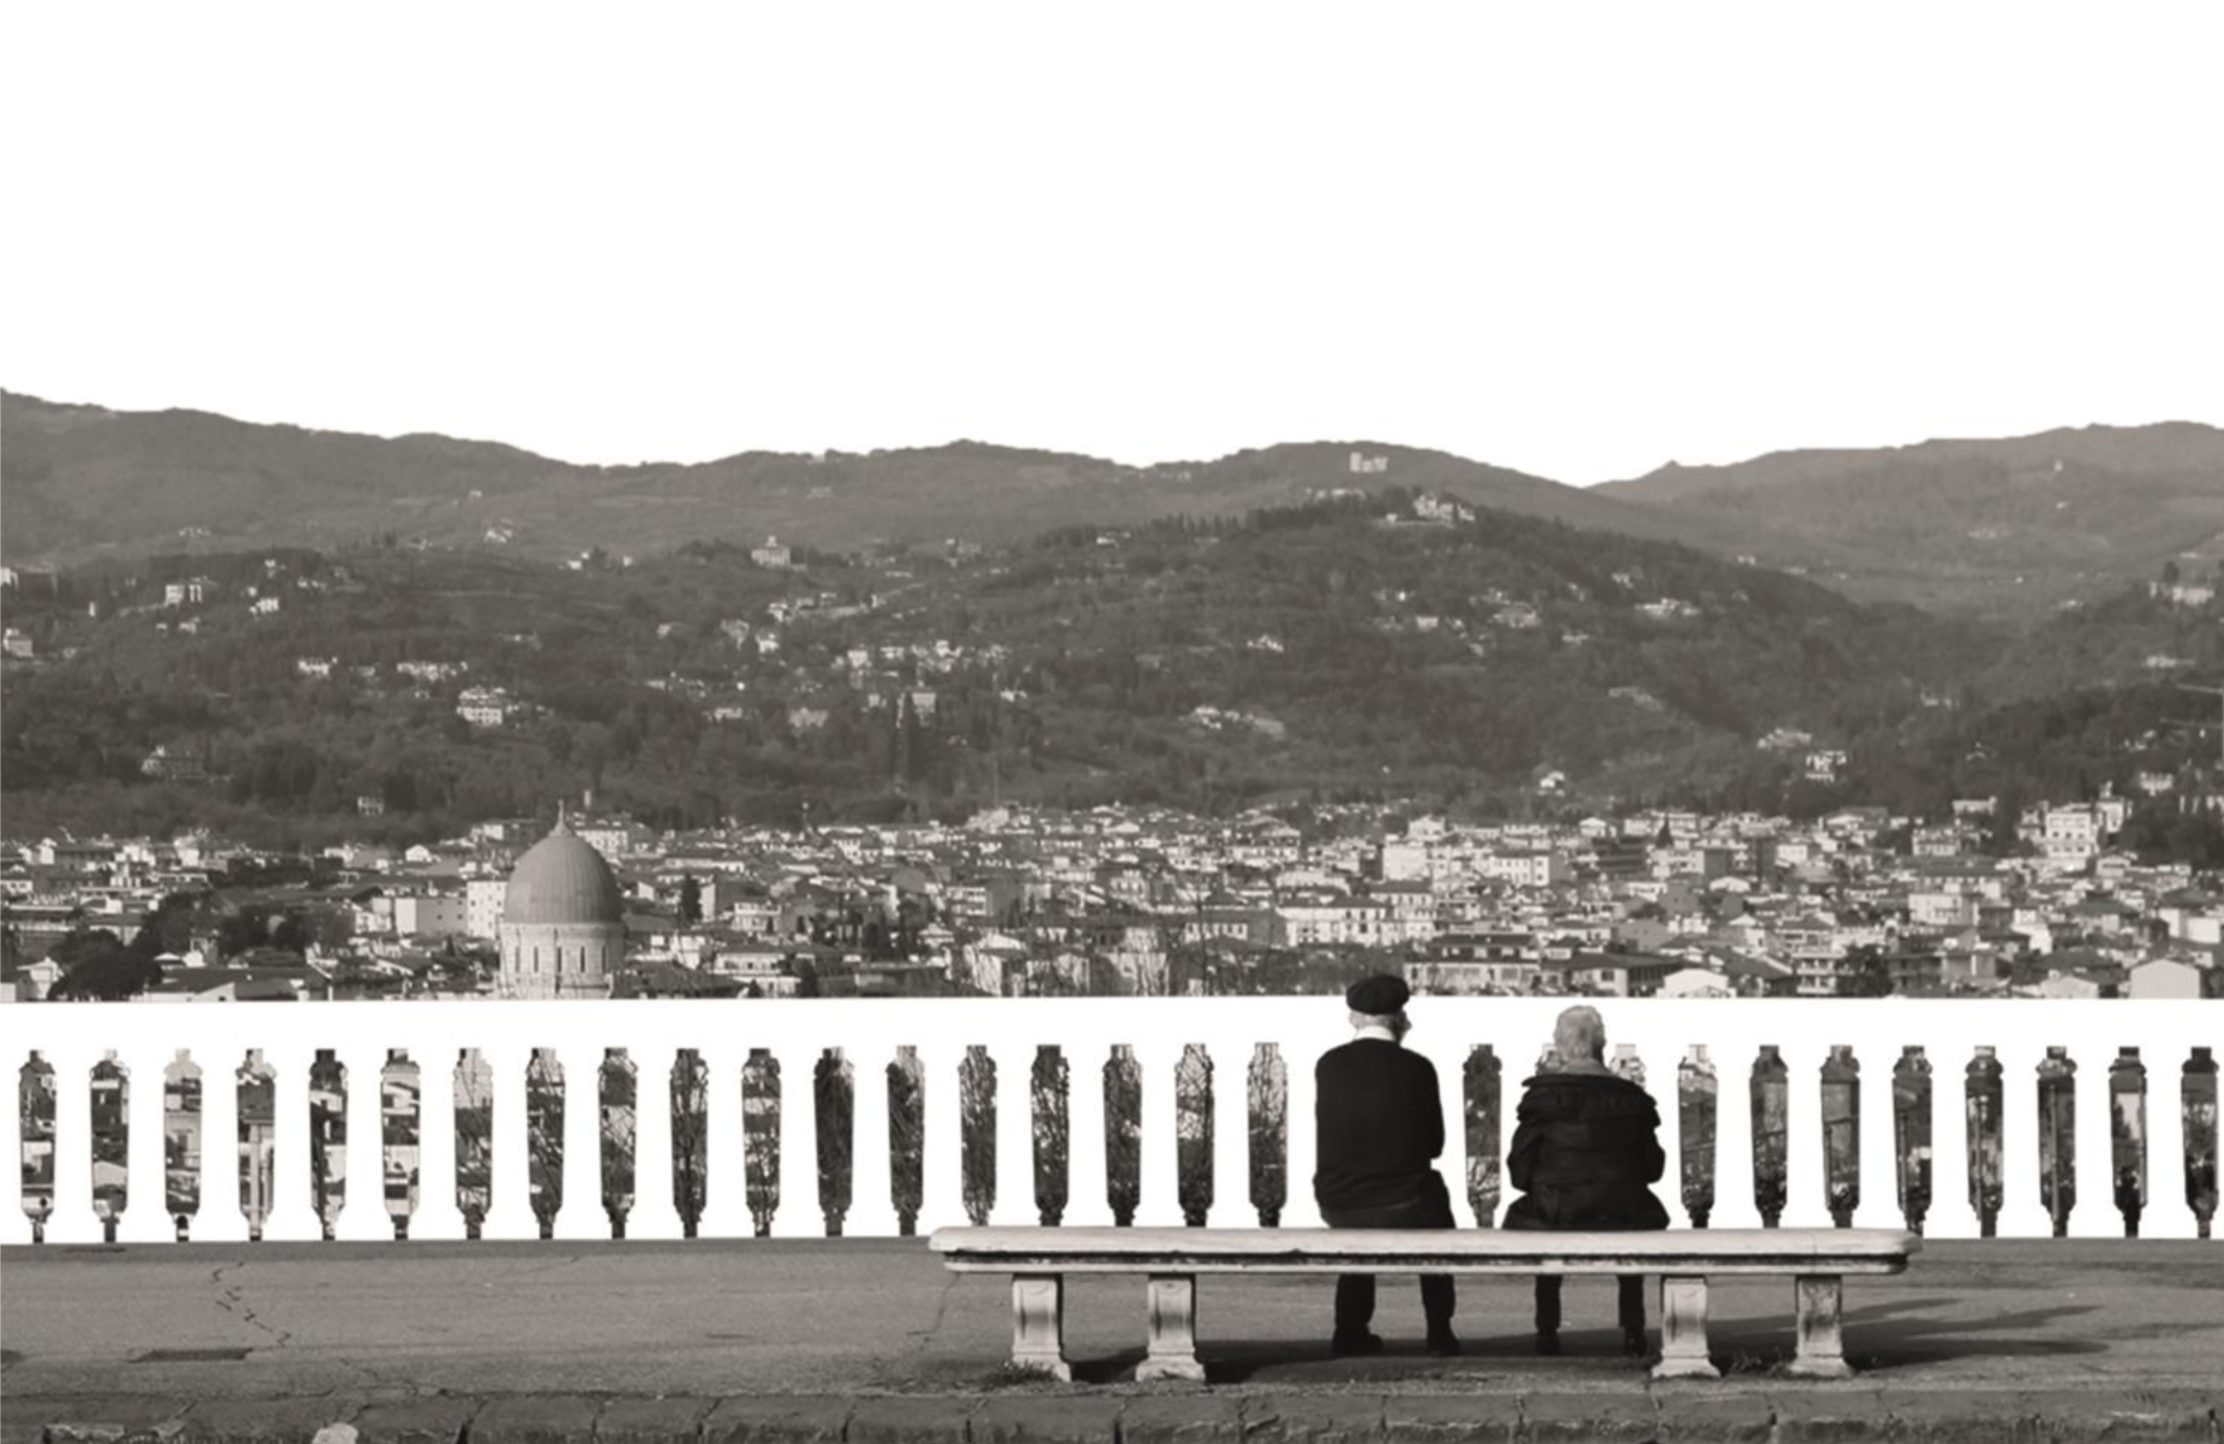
1586 1144
1381 1127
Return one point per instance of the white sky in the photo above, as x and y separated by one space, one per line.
1578 240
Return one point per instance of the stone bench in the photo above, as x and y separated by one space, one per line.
1038 1259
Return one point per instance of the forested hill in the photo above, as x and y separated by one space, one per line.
2008 527
1388 647
2000 528
81 481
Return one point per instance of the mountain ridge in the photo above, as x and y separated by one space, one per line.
2012 527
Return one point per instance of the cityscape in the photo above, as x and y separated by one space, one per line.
1131 902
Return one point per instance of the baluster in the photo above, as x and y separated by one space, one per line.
834 1112
617 1083
544 1137
1193 1133
1911 1135
2127 1136
1771 1090
1123 1133
1627 1065
1841 1133
181 1141
1052 1133
907 1137
2058 1137
1986 1096
34 1099
1268 1096
257 1086
400 1093
1697 1092
474 1107
690 1139
1482 1092
760 1137
111 1130
2197 1107
977 1125
327 1139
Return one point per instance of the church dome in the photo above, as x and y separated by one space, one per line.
562 880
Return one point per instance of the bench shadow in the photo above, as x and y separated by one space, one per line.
1894 1333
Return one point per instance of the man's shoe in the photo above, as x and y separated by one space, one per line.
1548 1345
1345 1348
1445 1345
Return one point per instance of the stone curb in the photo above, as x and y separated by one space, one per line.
273 1421
1190 1416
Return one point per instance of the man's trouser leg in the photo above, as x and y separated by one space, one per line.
1437 1302
1355 1293
1355 1305
1548 1305
1632 1305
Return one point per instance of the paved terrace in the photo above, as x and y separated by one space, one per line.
865 1340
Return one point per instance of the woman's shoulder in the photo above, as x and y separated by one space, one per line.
1593 1094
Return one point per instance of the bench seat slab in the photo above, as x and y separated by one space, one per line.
1092 1249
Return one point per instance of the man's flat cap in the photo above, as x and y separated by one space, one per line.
1380 995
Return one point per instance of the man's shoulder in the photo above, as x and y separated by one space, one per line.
1358 1053
1373 1055
1337 1057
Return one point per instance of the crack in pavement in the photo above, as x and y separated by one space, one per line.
922 1337
233 1300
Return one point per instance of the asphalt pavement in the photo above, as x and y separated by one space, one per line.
1975 1331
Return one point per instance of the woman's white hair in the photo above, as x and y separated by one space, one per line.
1580 1035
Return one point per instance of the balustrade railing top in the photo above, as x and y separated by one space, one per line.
789 1118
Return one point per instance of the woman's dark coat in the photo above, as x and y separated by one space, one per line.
1586 1146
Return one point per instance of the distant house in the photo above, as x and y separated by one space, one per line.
2182 594
2164 978
1697 982
168 766
484 706
1824 764
774 554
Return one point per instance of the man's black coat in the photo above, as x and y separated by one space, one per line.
1586 1146
1380 1124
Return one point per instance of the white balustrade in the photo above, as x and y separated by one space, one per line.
72 1037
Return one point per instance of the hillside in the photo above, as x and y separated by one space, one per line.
2009 527
1997 528
81 482
1392 647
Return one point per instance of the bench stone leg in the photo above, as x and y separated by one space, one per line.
1822 1353
1683 1330
1039 1325
1172 1302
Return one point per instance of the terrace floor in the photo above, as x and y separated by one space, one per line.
873 1339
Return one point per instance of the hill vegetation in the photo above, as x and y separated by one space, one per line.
2005 527
1998 528
1392 647
82 481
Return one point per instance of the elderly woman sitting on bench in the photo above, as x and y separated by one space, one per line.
1586 1145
